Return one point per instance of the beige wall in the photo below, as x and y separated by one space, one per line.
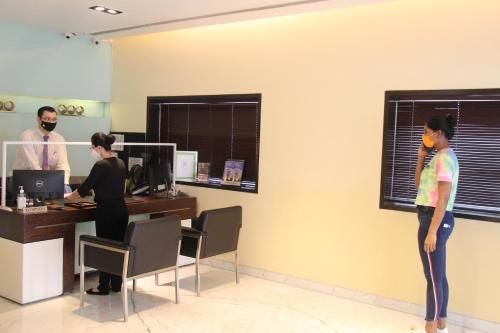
322 77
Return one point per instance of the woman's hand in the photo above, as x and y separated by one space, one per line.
422 153
430 242
72 196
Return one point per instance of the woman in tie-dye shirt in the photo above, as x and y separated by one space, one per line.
437 186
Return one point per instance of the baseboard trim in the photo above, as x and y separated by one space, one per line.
397 305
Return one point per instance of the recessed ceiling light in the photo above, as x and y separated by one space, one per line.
105 10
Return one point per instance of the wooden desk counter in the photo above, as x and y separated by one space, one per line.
27 228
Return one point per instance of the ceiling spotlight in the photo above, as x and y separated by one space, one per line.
105 10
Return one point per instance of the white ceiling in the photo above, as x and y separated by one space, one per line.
148 16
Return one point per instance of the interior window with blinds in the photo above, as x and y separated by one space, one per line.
476 143
218 127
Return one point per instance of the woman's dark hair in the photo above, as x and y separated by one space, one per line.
444 123
103 140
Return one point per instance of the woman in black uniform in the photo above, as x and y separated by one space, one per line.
107 179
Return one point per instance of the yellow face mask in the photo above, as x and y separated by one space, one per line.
427 142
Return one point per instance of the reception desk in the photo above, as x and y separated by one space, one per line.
17 228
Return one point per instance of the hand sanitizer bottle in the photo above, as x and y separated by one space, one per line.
21 198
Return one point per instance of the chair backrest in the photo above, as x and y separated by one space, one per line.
155 242
222 227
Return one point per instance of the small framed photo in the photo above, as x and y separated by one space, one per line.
233 171
186 165
203 172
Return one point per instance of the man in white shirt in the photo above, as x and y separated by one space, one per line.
43 157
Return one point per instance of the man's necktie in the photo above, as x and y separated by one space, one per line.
45 165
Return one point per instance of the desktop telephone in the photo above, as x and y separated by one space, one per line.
135 183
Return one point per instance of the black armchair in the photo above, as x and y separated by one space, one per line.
214 232
150 247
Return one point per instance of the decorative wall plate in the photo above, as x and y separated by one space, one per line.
79 110
71 109
9 106
62 109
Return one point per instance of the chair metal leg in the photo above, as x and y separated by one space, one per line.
124 286
125 299
177 273
82 272
236 266
156 280
176 284
133 285
197 282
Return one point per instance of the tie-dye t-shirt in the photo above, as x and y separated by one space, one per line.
442 168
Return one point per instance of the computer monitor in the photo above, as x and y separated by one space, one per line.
160 177
43 186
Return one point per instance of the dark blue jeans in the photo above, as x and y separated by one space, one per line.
435 263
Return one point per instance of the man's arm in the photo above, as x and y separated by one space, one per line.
28 153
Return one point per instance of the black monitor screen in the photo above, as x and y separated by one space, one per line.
43 186
160 177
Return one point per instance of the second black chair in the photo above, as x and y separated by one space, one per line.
214 232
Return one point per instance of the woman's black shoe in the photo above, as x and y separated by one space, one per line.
91 291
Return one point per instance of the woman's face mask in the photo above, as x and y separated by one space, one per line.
430 138
95 155
428 144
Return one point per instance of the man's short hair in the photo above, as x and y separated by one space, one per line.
45 108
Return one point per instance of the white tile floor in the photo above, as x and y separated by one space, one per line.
254 305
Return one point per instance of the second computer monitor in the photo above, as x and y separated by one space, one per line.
160 177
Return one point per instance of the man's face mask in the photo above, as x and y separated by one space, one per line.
48 126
